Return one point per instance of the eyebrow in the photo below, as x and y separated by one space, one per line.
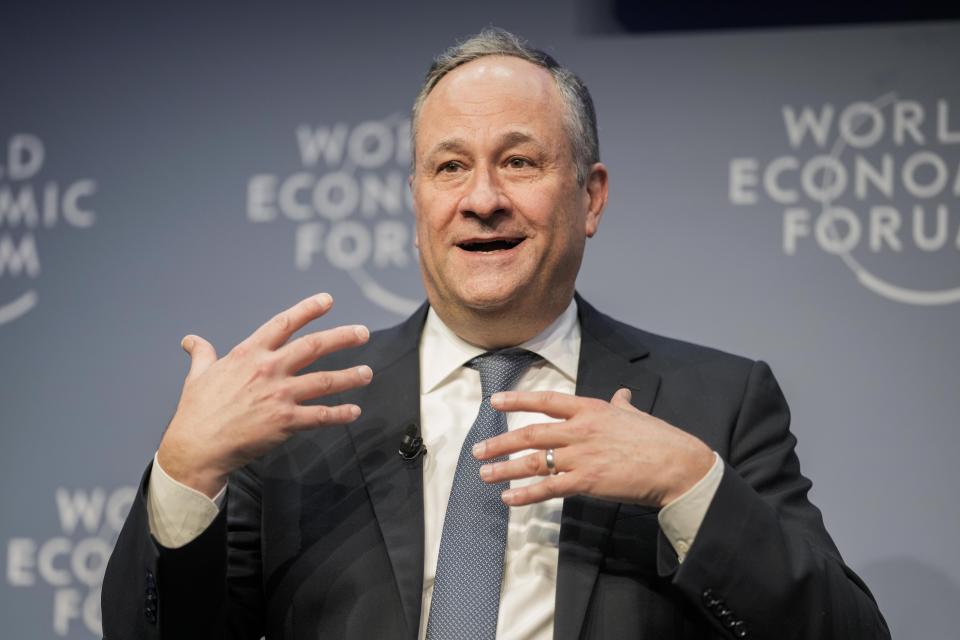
459 145
450 144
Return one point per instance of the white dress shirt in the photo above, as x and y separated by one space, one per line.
449 401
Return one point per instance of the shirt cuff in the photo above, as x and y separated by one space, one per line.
681 519
177 513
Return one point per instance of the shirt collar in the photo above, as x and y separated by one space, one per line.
558 345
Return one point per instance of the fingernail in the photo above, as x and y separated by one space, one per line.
478 449
365 372
508 495
354 411
485 471
496 399
362 332
324 299
187 343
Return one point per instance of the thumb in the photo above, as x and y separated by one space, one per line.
621 399
202 354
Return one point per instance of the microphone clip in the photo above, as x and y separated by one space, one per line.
412 447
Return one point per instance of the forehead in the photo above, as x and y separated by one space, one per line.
490 94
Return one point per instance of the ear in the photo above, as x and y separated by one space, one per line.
596 187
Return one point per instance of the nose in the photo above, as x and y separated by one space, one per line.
484 196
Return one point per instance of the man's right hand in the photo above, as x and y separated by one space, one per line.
237 408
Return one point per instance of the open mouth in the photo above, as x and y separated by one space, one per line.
494 244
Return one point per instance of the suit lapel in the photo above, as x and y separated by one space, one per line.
392 401
395 486
607 363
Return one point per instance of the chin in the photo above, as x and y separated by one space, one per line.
488 303
491 296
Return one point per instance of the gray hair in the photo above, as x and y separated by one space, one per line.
581 118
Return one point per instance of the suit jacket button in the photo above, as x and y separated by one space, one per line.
740 629
710 600
151 615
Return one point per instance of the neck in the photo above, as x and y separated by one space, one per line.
498 328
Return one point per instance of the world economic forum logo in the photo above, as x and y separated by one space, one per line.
31 207
874 183
349 204
69 565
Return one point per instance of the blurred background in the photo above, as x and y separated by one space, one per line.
785 185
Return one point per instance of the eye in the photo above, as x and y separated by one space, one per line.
519 162
449 167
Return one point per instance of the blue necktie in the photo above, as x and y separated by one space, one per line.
466 592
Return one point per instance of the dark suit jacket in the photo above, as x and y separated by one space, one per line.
323 537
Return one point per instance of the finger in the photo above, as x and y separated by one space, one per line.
528 466
306 349
324 383
561 486
621 400
314 416
202 355
546 435
280 327
552 403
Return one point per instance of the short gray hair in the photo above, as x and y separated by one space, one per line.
581 117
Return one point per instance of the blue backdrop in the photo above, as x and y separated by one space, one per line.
788 194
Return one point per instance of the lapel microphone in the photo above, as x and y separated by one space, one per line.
412 447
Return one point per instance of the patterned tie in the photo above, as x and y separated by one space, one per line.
466 592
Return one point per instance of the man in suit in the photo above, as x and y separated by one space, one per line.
652 485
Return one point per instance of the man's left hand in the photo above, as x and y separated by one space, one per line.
608 450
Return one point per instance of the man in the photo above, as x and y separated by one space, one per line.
665 501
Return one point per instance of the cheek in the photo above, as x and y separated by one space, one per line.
432 212
429 245
565 240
